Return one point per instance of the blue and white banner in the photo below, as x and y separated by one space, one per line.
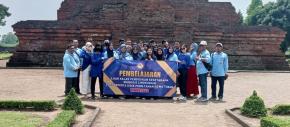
140 78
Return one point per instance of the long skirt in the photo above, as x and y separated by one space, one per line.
86 81
192 82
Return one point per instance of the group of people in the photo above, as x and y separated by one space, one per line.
194 64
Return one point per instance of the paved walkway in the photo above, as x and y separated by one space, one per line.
49 84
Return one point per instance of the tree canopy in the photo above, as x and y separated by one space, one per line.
275 14
3 13
9 38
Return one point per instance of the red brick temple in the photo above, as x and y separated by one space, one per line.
42 43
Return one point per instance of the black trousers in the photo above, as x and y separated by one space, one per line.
182 81
93 85
77 86
69 84
214 81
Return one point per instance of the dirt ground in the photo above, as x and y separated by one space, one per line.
36 84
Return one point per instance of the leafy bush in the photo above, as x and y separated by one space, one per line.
9 38
72 102
254 106
63 119
5 55
34 105
281 110
274 122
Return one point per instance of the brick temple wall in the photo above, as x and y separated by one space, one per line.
42 43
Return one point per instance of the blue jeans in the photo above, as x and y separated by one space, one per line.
203 84
221 81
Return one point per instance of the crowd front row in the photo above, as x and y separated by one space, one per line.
195 62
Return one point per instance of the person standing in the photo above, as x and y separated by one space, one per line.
77 52
144 49
86 53
106 45
149 55
110 52
124 55
96 70
70 67
202 58
177 48
171 56
135 53
160 54
219 71
165 47
184 60
192 82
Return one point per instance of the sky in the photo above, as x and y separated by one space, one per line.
22 10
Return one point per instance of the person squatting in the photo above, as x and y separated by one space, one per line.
195 63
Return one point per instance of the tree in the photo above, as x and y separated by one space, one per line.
275 14
9 38
255 4
241 21
3 13
252 10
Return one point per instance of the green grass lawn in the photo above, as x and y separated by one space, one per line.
18 119
5 55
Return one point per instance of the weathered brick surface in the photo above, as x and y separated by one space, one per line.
42 43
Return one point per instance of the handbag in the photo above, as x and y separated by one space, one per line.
208 66
226 76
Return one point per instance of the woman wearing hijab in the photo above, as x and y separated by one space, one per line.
171 56
86 54
110 52
160 54
192 82
136 53
124 55
149 55
96 70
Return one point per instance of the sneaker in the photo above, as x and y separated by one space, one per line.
195 96
122 98
220 99
105 97
202 99
175 98
212 99
182 98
